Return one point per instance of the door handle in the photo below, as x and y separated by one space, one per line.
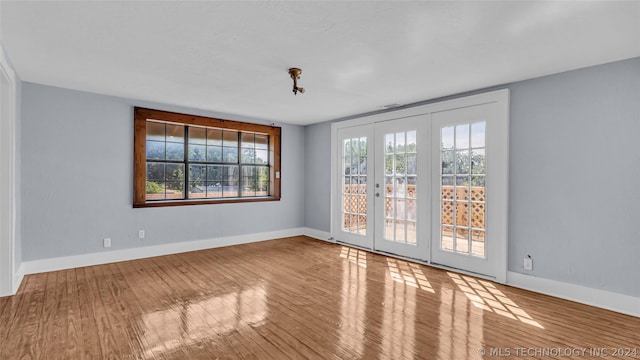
377 194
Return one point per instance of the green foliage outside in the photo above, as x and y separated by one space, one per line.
154 188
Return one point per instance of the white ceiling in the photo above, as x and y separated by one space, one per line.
233 57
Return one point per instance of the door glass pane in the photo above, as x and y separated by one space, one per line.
401 167
462 190
354 186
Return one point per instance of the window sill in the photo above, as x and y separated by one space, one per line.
165 203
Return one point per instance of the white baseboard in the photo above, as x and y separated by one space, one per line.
75 261
624 304
17 278
317 234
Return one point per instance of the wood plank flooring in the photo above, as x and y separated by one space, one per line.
296 298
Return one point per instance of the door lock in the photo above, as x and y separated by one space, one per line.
377 194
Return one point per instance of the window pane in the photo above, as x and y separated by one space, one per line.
214 153
230 138
363 146
355 147
197 190
262 157
447 138
197 174
197 135
175 172
347 165
355 165
446 213
263 173
248 156
262 188
400 142
388 164
230 155
249 178
400 164
175 133
447 162
197 152
462 181
411 141
155 131
478 134
363 165
155 190
411 164
230 189
462 161
262 142
214 189
230 185
478 165
174 190
447 180
247 140
155 171
214 173
175 151
230 173
462 136
214 137
155 150
389 144
477 181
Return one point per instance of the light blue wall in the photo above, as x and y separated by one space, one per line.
575 176
574 187
77 181
317 171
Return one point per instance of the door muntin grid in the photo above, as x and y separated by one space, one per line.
463 189
400 186
354 185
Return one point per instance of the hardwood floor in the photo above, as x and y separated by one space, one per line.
296 298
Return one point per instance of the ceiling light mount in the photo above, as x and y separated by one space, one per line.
295 75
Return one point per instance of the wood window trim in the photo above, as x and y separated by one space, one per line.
141 115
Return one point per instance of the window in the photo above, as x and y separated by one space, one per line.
185 159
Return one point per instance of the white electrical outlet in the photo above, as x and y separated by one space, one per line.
106 242
140 234
528 263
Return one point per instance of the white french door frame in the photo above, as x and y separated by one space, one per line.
8 282
497 222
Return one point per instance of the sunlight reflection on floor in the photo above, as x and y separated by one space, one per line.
355 256
483 294
409 274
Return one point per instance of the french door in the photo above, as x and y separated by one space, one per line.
378 182
430 185
401 187
353 212
469 186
